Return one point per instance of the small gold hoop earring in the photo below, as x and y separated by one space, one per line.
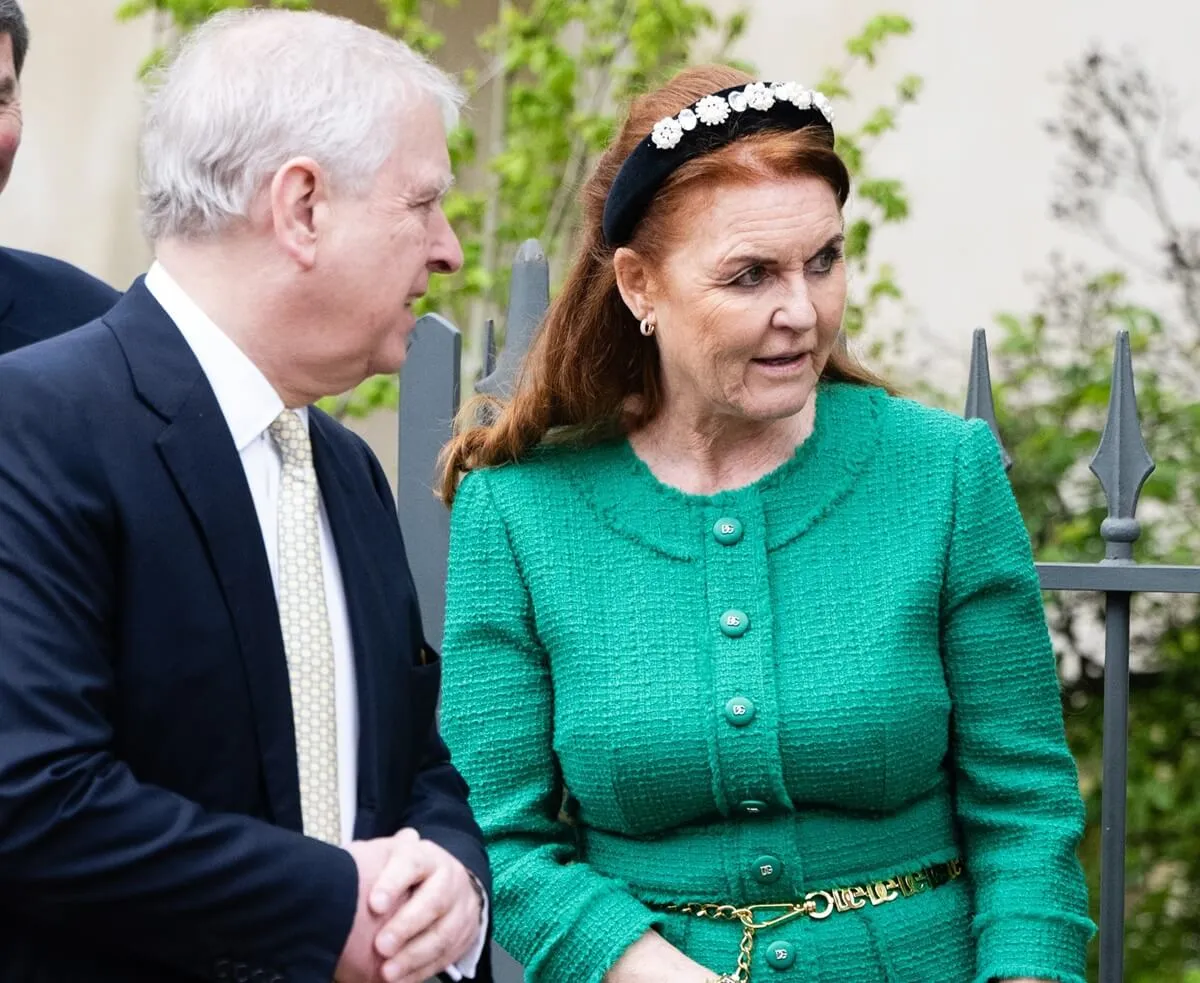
646 327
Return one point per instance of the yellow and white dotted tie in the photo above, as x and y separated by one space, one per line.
307 640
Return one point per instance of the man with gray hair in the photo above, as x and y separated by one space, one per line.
39 296
219 758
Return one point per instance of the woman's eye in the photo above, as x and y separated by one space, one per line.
752 277
823 261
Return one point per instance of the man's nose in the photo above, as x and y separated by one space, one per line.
446 255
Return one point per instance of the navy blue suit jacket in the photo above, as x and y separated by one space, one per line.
149 798
41 297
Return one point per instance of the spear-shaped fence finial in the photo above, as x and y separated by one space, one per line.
528 300
980 403
1122 462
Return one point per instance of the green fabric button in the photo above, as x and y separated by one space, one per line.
740 711
767 869
752 807
780 955
735 623
727 531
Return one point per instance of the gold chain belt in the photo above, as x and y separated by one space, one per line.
839 899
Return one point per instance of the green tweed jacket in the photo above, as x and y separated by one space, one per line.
838 674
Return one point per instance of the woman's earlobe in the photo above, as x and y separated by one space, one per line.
633 281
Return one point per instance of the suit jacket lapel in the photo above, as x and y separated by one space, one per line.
366 600
197 449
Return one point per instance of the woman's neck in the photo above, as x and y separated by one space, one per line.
703 455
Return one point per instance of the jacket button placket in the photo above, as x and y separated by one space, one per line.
749 768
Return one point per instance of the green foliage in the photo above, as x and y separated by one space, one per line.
875 201
1052 369
405 19
555 73
186 14
557 70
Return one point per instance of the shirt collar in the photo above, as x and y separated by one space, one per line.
248 401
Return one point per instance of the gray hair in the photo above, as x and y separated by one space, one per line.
12 23
250 89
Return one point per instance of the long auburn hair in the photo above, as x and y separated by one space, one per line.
590 372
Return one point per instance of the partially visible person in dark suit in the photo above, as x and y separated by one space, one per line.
39 296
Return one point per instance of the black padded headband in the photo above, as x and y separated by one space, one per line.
701 128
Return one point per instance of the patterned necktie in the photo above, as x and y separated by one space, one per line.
307 640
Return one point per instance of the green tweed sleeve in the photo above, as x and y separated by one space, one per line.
560 918
1017 789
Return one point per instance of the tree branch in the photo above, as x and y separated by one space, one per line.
489 233
1151 182
573 172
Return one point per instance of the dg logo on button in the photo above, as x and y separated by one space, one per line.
739 711
735 623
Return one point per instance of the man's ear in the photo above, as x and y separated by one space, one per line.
299 196
635 281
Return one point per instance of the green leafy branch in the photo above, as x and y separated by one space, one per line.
879 201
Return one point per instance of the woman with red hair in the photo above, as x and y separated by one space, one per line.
745 656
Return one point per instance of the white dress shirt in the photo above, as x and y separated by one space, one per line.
250 404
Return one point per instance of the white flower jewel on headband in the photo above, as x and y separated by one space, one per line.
759 97
714 110
667 133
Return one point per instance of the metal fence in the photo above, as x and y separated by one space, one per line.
429 399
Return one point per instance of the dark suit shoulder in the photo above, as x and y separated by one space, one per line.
41 297
52 394
47 275
89 353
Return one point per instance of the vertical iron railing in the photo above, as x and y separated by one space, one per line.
429 399
1122 465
